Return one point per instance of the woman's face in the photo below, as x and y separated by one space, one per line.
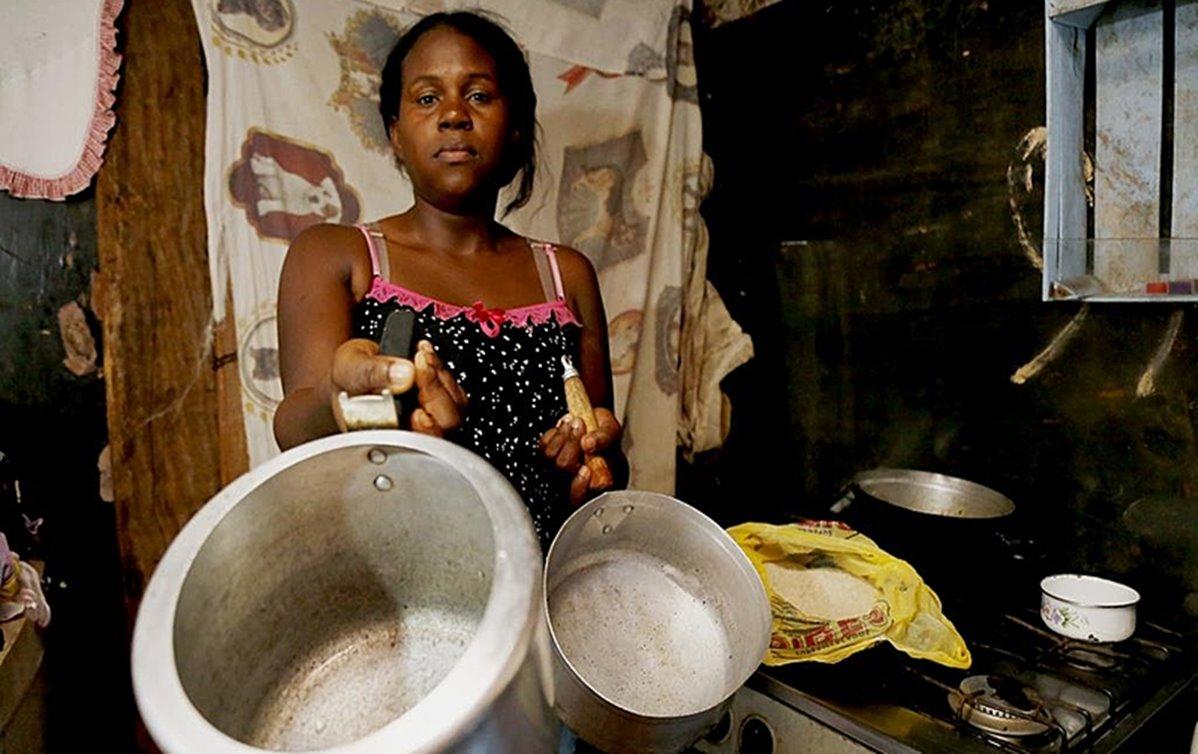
452 126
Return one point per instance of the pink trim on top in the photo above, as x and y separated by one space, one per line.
76 179
490 320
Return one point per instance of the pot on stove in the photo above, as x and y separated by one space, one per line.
948 528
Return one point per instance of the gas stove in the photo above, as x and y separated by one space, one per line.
1028 690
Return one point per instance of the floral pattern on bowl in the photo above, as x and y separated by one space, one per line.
1087 607
1063 617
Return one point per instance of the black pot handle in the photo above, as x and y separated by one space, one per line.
846 498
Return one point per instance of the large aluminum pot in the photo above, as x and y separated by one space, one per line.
928 493
369 592
656 618
937 523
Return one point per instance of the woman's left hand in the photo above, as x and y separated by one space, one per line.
567 445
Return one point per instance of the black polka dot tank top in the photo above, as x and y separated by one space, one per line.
509 364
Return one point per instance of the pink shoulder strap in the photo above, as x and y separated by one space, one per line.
372 245
551 254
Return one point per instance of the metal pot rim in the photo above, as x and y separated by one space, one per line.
700 518
1004 506
450 710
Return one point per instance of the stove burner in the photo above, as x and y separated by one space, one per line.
1093 659
1001 706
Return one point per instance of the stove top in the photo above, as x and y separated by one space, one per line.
1028 690
1032 691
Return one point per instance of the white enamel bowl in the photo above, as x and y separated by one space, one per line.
1088 607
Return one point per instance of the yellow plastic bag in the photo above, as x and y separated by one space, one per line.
905 612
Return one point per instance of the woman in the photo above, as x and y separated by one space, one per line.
495 312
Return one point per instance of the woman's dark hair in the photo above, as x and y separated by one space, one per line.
515 83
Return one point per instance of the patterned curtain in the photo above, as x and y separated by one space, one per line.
294 139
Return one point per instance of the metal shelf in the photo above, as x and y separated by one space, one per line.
1140 231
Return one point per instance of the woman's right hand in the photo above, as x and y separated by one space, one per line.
358 368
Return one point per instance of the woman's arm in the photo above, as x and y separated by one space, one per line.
324 268
582 292
315 301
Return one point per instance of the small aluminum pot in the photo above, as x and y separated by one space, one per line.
1087 607
656 618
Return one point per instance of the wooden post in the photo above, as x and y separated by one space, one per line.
165 400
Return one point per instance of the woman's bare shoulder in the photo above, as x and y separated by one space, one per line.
329 240
325 249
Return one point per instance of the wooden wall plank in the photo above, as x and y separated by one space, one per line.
163 395
234 452
1129 85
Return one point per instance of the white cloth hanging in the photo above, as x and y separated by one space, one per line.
58 71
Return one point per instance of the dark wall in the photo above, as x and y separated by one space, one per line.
52 431
882 134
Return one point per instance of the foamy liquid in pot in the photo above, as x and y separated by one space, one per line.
639 637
